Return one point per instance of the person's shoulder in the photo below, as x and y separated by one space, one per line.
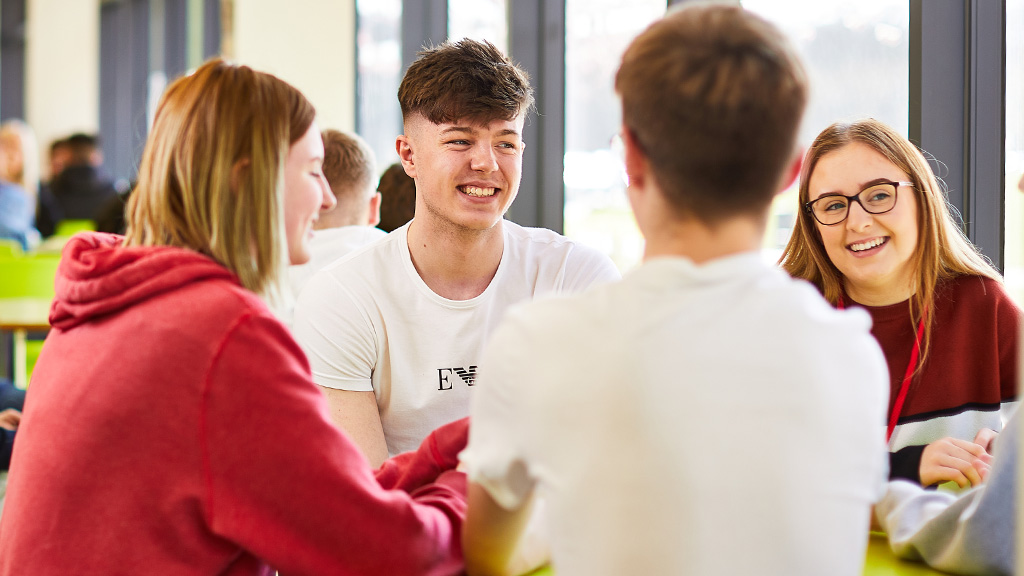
380 250
548 245
974 290
539 237
795 302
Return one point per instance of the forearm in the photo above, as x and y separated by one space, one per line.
491 534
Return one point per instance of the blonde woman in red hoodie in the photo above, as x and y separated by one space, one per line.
172 427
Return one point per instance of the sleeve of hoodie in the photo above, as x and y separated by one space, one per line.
304 498
969 533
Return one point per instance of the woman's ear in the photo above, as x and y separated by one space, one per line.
238 173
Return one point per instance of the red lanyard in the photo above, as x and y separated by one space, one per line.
911 366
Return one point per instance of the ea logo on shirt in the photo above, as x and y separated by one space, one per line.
444 376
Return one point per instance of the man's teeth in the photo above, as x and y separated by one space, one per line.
475 191
867 245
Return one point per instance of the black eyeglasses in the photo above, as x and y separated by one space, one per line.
878 198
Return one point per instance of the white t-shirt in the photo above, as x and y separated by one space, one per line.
369 322
329 245
714 419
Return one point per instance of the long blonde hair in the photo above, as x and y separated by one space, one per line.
22 136
942 251
212 173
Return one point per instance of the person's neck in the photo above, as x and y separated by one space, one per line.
883 294
457 264
701 242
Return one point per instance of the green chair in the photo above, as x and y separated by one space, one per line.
26 290
72 227
10 247
29 276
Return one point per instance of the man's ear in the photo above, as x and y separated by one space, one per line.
238 173
792 172
635 158
373 211
403 145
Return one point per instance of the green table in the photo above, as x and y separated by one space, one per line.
879 562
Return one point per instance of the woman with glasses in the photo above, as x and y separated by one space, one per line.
874 231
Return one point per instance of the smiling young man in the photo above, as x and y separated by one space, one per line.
394 332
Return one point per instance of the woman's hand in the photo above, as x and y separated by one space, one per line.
954 460
985 438
9 419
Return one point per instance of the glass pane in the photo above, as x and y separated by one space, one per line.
379 49
479 20
1013 252
857 55
596 210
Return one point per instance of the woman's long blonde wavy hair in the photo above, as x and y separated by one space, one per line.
942 251
212 173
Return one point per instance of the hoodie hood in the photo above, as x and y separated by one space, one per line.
97 276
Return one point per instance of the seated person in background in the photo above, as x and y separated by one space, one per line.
111 217
58 158
708 414
18 141
12 401
81 189
349 168
875 232
398 198
394 332
970 533
164 452
16 208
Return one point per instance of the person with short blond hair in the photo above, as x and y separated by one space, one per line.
708 414
349 167
394 332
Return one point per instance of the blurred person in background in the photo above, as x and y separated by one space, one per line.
349 167
18 141
81 189
398 198
16 202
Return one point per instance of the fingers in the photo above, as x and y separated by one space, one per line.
954 460
10 419
985 438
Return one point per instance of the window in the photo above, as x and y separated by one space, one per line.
1013 253
596 210
857 58
379 60
479 20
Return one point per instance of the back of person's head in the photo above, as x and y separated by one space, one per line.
83 150
942 249
18 141
464 80
349 167
398 198
713 95
211 175
60 156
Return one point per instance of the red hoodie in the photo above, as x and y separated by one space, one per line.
172 428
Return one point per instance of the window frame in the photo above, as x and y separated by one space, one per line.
960 123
